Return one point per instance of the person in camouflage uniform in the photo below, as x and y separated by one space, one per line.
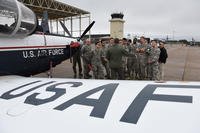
142 57
86 54
136 67
131 61
148 66
124 58
96 61
104 60
136 64
111 42
153 61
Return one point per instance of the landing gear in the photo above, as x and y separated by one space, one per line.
50 72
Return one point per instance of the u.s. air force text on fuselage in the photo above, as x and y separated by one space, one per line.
42 52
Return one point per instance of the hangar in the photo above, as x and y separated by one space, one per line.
59 11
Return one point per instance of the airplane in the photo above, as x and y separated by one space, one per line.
38 105
23 50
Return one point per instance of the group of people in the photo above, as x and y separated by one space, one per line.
121 59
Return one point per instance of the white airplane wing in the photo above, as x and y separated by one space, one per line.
38 105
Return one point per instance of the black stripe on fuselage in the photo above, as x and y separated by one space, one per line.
32 61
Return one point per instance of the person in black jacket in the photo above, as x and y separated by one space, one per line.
162 60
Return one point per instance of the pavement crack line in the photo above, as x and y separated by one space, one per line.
185 65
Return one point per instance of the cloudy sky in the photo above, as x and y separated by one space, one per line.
146 17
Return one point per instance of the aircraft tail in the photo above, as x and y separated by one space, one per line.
44 23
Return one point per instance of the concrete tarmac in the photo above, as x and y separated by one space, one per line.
183 64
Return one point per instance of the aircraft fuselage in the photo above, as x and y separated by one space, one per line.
33 54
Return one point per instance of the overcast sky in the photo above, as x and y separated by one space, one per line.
146 17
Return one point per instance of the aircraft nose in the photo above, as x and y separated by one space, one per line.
74 45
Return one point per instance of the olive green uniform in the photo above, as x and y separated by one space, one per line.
114 55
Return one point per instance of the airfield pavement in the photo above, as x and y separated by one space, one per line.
183 64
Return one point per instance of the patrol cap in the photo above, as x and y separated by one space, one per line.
162 42
103 42
116 40
124 39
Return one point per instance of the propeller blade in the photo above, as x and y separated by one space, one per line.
65 29
86 30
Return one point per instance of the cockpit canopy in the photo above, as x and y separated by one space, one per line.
16 20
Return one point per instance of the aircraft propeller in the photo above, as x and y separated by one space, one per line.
83 34
86 30
67 31
65 28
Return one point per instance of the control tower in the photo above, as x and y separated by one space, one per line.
117 25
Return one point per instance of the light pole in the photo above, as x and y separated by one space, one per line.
173 33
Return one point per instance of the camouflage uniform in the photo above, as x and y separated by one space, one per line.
124 60
97 67
86 54
142 60
105 62
137 68
153 63
132 62
148 66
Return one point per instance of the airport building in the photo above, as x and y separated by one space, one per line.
117 25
